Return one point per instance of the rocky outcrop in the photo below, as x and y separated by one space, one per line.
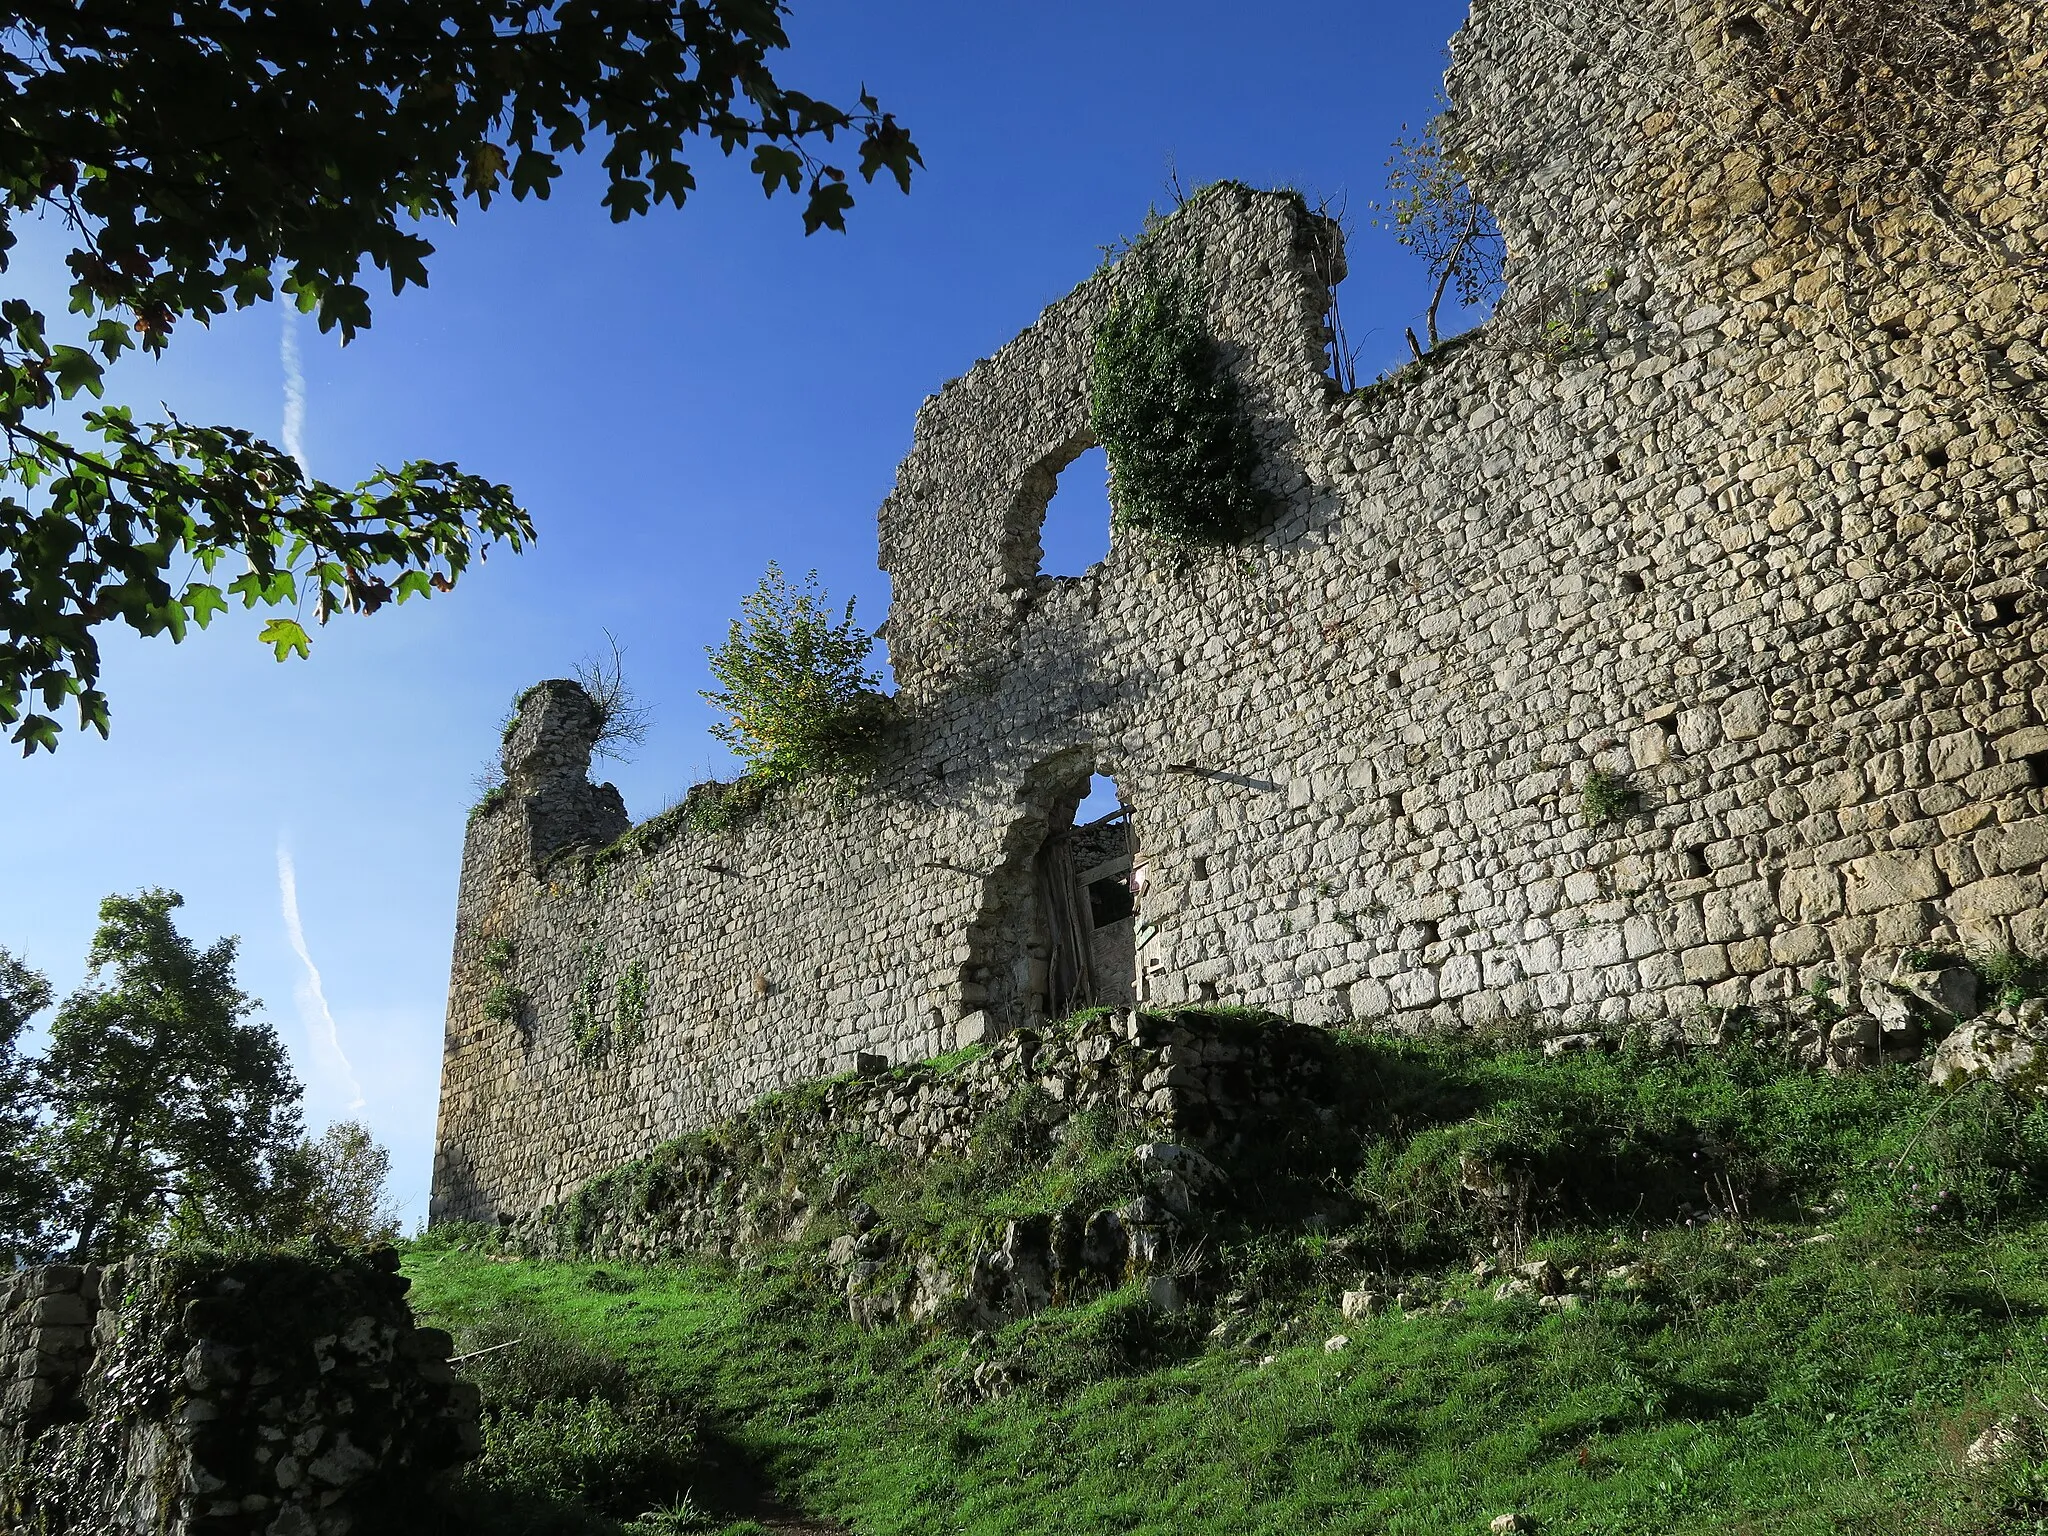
262 1396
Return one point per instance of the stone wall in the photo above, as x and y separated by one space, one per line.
1735 504
1184 1092
274 1395
761 1177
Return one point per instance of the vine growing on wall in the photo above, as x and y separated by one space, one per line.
587 1023
1182 459
602 1032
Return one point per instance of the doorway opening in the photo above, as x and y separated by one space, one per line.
1090 883
1059 926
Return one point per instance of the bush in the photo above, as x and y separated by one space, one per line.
1606 797
618 1460
798 700
1182 459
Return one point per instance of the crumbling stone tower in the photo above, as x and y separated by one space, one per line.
1732 511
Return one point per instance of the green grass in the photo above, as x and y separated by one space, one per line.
1844 1281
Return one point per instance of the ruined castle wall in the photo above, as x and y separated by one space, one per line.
202 1394
1709 509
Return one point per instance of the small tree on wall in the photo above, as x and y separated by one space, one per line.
1436 213
798 699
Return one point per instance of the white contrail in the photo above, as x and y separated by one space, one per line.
313 1010
294 397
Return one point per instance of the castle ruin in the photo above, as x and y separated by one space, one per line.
1732 511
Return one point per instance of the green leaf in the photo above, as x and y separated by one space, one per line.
76 369
286 636
202 601
778 167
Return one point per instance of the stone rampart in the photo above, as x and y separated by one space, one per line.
1670 644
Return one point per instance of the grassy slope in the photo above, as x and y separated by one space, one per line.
1799 1374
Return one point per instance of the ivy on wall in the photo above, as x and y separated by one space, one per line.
599 1033
1182 458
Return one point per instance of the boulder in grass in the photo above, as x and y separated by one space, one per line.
2010 1048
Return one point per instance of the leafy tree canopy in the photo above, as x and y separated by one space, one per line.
216 153
160 1090
26 1190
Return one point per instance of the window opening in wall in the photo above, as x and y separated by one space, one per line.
1075 534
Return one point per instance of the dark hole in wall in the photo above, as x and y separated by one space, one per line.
1748 31
1393 570
1631 583
1694 862
1998 612
1612 464
1394 808
2037 769
1205 991
1393 679
1198 868
1425 934
1091 880
1936 458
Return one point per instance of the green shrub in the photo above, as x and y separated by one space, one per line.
798 700
2010 978
1182 458
503 1003
1606 797
619 1460
721 808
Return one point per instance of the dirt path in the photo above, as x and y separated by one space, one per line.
790 1522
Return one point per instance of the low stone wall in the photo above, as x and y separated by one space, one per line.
279 1395
1206 1080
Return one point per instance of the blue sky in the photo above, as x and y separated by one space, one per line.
678 401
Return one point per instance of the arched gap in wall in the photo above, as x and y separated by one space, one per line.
1075 533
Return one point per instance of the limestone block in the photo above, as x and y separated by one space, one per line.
1649 746
1707 963
1955 756
1888 880
1800 946
2000 896
1809 895
1739 912
1746 716
2017 845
